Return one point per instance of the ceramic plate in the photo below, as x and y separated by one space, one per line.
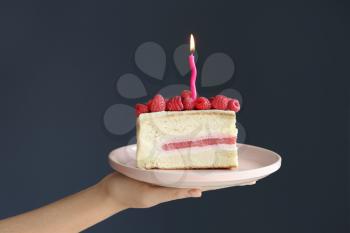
254 163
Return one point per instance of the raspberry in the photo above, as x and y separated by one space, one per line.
140 108
186 94
188 103
211 101
157 104
233 105
175 104
220 102
149 103
202 103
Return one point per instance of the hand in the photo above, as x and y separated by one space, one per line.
129 193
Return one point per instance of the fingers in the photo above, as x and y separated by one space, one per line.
195 192
249 183
143 195
163 194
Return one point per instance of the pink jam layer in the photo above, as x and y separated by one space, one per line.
199 143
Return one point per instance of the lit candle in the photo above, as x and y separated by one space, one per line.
193 69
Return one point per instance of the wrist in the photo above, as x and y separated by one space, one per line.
107 195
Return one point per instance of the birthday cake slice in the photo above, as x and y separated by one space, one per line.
182 133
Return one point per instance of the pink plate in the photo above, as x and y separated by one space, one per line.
254 163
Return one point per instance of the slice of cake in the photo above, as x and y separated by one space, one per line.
170 136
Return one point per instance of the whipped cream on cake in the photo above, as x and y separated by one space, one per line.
182 133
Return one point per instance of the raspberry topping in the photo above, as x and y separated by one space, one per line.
233 105
140 108
174 104
185 102
202 103
149 103
157 104
186 94
220 102
188 103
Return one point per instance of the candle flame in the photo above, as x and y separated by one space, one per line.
192 45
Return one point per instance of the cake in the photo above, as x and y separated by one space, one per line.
181 133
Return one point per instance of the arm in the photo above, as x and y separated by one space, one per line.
84 209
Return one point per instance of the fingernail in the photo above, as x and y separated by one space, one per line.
195 193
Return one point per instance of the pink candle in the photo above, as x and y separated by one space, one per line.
193 68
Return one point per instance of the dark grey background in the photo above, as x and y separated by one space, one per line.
59 63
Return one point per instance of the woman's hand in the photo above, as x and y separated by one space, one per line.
129 193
